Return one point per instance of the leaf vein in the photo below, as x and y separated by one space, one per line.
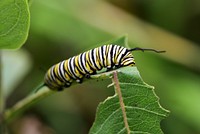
149 111
16 23
108 119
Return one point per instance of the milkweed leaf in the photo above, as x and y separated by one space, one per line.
142 109
14 23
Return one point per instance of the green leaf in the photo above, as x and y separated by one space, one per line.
23 63
122 41
14 23
143 112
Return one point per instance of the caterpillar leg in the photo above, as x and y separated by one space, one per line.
60 89
109 69
67 85
79 80
87 76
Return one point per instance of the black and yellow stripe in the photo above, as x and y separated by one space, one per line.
61 75
85 64
76 68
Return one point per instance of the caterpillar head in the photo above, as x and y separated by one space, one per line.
127 60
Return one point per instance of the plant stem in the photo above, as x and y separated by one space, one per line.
26 102
32 99
118 90
20 106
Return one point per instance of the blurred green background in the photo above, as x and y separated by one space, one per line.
64 28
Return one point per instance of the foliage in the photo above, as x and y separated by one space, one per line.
15 21
61 29
139 99
142 110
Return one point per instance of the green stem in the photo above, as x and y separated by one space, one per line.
35 97
26 102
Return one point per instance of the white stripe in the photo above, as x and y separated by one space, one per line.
68 65
109 57
84 61
79 62
100 55
121 53
74 67
95 59
52 73
90 56
114 52
104 54
62 73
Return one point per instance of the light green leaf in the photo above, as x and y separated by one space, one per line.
142 109
14 23
22 62
122 41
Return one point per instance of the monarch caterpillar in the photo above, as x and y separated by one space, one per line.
62 74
